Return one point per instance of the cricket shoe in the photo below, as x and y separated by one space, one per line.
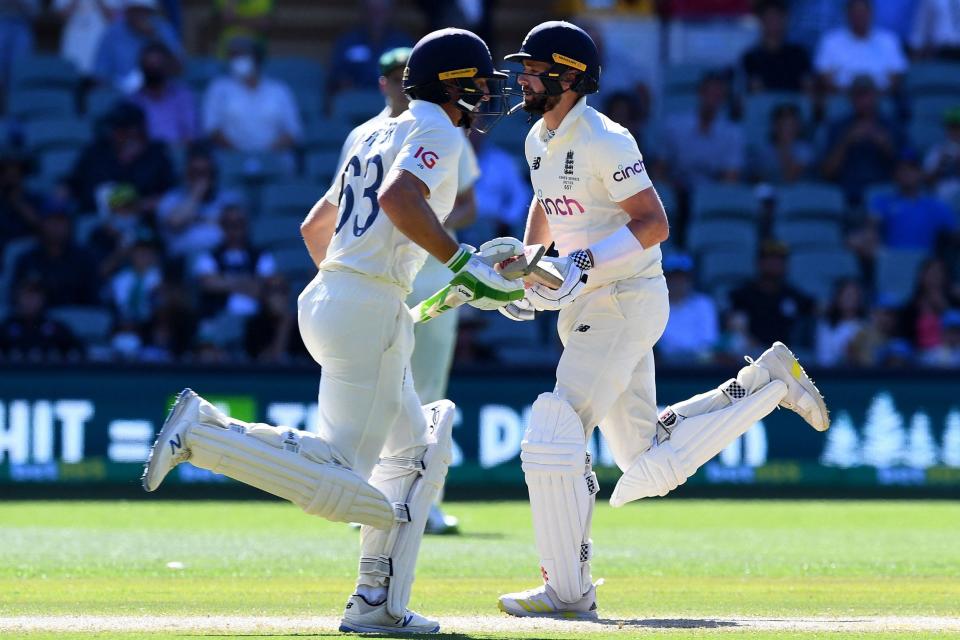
802 397
362 617
543 602
171 449
441 524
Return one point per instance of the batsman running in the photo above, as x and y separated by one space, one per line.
379 458
594 199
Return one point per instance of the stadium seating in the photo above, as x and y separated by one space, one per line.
325 135
931 77
815 271
55 165
90 324
806 234
100 101
896 271
723 269
705 235
810 200
237 167
11 255
30 104
724 201
757 110
45 71
294 263
290 199
322 165
354 106
57 134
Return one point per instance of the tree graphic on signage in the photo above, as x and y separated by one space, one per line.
843 443
884 438
951 439
921 447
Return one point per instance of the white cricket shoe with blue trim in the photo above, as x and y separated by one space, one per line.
363 617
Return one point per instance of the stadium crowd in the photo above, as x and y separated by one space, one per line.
150 199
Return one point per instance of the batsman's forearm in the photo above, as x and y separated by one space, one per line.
464 211
411 214
538 229
317 229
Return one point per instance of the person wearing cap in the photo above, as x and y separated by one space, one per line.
248 111
434 341
595 203
942 162
692 330
860 48
861 148
116 63
907 217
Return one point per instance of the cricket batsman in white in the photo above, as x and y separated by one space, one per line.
594 199
434 341
379 458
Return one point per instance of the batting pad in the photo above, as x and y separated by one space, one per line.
389 557
693 440
563 488
294 465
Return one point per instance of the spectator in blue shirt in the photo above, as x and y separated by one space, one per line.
908 218
118 56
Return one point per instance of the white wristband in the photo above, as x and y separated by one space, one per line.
617 248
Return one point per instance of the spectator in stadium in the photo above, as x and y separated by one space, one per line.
908 218
174 327
703 145
936 29
123 155
29 333
353 62
844 319
630 110
117 60
18 203
860 48
699 9
625 70
861 148
774 309
869 346
271 335
132 289
16 35
691 334
188 216
112 241
921 319
247 18
170 107
475 15
84 23
942 162
232 275
774 64
947 353
66 271
247 110
502 196
785 156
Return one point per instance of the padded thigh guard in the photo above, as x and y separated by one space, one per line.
686 442
294 465
562 489
388 558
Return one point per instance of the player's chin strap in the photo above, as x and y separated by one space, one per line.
388 558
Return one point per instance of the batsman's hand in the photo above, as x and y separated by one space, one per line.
574 269
487 288
519 311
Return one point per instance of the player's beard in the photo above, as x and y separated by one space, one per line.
539 103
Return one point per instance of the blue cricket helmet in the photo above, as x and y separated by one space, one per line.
564 46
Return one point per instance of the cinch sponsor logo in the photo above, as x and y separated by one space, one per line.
624 173
565 206
428 158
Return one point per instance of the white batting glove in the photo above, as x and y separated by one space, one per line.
486 288
574 269
519 311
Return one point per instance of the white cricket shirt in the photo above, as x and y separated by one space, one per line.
423 141
579 173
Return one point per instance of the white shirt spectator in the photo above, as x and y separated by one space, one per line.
936 25
844 56
132 293
85 24
691 329
832 341
251 118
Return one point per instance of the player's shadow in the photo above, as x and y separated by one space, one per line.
668 623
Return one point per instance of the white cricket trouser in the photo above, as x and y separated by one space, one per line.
361 333
606 371
435 340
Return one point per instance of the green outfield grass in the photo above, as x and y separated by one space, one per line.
660 559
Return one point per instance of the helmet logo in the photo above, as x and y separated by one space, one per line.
559 58
469 72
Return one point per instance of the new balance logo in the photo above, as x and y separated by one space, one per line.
583 328
535 164
175 444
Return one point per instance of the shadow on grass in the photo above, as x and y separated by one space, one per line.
668 623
